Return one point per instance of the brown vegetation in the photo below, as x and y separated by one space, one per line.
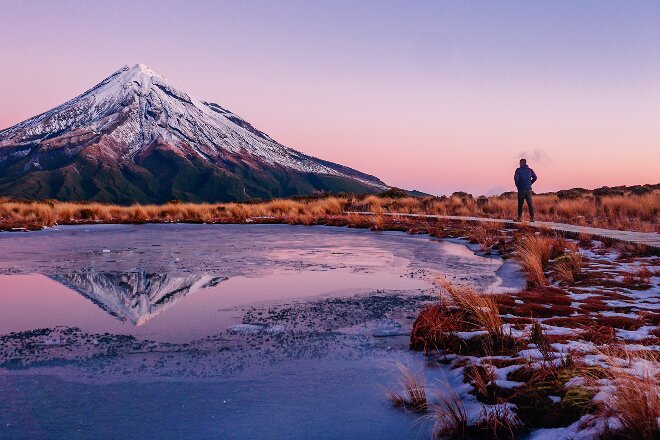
498 422
466 325
568 268
479 311
449 416
434 327
629 211
34 215
618 211
533 253
640 279
635 400
413 396
471 331
469 311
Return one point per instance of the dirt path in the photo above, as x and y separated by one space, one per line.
648 238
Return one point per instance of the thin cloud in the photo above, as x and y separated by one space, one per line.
537 155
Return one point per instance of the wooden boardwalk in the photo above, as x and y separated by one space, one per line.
651 239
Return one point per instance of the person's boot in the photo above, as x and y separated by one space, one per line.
531 219
519 219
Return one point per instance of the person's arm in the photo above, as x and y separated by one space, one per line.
534 178
516 177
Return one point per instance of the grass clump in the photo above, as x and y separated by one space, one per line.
434 327
540 339
498 422
479 311
568 268
544 381
483 379
635 400
449 417
469 311
413 394
533 253
640 279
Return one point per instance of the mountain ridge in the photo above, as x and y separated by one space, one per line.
136 137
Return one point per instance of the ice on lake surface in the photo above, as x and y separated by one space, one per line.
216 331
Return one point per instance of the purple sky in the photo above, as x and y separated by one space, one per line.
437 96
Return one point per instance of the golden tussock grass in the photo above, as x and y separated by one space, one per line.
461 308
568 267
630 212
479 311
486 235
539 338
413 394
38 214
449 417
635 400
498 422
433 327
641 278
533 253
482 378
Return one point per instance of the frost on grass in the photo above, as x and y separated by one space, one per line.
583 350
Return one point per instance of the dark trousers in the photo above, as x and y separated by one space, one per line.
525 194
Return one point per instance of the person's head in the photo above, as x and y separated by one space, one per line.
523 162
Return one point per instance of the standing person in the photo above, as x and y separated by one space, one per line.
524 177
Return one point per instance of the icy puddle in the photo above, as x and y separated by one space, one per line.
191 309
216 331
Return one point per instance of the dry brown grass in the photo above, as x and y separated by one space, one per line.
413 394
486 235
462 309
632 212
479 311
567 268
540 339
483 379
449 416
533 253
635 400
639 279
39 214
629 212
498 422
433 327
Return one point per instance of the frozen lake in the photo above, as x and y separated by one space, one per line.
216 331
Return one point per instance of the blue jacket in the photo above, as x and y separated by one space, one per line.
524 178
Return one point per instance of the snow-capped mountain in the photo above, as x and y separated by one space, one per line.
135 297
135 137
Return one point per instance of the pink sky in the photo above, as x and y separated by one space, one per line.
438 96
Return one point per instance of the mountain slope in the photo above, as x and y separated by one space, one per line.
135 137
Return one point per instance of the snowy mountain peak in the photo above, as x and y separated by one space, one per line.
139 79
144 69
137 70
136 118
139 74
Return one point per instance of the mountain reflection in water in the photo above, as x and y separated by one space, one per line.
134 296
140 279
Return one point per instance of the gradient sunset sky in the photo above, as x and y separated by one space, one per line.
436 96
